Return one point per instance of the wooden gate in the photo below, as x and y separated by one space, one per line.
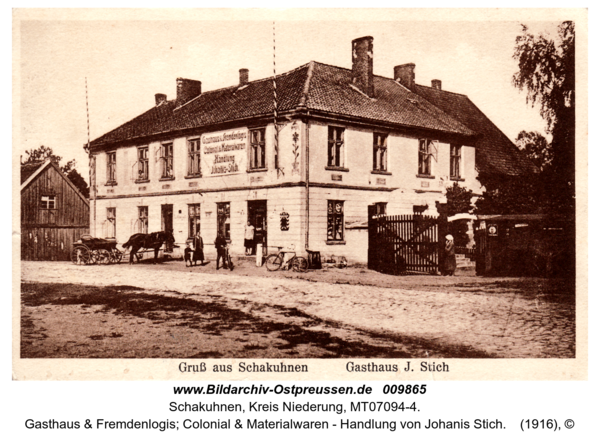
400 244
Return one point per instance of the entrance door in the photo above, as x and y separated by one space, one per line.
167 223
257 216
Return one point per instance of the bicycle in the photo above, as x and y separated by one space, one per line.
278 261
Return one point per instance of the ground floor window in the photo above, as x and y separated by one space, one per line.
223 219
142 219
111 222
335 220
193 219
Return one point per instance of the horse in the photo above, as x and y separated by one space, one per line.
153 240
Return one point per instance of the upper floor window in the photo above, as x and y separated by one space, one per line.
257 149
194 157
455 159
166 159
426 150
379 152
111 167
335 147
142 163
48 202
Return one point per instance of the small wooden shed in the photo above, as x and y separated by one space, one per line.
54 214
525 245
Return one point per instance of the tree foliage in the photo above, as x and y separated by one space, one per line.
536 147
458 200
547 73
43 153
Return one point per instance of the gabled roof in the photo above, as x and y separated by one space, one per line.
325 89
495 153
28 169
30 172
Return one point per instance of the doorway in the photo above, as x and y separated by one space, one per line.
166 215
257 216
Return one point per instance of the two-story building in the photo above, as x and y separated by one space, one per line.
345 139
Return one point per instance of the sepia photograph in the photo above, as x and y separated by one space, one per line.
274 189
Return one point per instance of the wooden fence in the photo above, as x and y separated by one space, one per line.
402 244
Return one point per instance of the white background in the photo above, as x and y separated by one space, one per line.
508 401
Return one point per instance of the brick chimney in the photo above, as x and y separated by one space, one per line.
362 65
244 76
436 84
160 98
187 89
405 74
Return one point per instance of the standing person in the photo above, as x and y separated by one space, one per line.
221 245
449 256
198 249
249 238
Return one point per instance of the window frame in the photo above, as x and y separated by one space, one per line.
195 220
380 152
455 161
254 164
425 168
335 219
143 164
143 220
50 200
336 150
112 219
167 161
224 212
111 167
194 165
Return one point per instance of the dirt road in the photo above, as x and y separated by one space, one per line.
281 317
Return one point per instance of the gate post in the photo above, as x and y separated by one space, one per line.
442 209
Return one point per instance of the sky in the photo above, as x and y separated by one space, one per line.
127 56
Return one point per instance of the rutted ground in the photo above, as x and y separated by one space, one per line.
199 313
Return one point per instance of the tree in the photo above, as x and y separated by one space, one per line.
458 200
536 147
547 73
43 153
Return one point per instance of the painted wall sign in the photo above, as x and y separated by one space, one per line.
224 152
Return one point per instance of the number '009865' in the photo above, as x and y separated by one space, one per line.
405 389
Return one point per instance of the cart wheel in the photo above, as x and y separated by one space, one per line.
80 255
116 256
273 262
299 264
93 257
103 256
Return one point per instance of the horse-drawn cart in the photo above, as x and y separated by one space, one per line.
90 250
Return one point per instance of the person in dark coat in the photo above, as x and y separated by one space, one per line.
198 249
221 245
449 257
